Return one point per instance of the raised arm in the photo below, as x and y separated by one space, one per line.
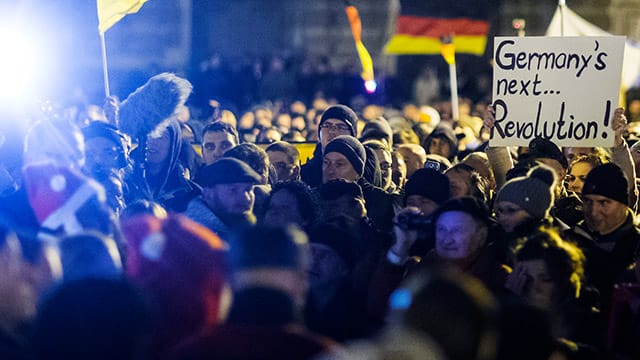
499 157
621 155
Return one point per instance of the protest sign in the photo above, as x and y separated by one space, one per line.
564 89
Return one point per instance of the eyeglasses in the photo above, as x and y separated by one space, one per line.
335 127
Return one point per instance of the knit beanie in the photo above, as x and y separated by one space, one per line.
429 183
607 180
533 193
351 148
342 113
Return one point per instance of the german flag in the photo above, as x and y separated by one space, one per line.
422 23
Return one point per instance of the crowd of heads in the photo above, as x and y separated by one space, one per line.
144 233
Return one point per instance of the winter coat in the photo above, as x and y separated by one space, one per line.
608 256
198 211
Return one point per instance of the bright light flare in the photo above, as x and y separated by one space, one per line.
370 86
19 65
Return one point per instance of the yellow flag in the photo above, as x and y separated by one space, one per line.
363 54
111 11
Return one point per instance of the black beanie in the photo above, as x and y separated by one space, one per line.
342 113
607 180
429 183
351 148
543 148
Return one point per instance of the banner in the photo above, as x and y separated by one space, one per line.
422 24
112 11
564 89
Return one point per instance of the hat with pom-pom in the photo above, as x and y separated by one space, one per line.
533 193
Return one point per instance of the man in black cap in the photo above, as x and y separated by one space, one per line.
227 199
335 121
608 235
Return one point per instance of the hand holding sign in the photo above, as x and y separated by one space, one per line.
619 124
559 88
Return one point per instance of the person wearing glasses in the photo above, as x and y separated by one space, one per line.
336 120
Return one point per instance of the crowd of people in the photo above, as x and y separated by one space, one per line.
139 232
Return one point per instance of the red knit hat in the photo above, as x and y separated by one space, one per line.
184 268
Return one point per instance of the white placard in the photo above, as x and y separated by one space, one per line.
564 89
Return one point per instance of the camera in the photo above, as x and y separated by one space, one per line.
432 164
412 221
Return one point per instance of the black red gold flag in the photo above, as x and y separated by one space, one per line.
423 23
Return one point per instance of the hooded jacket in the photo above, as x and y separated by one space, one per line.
446 133
171 188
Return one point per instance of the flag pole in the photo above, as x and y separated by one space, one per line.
448 51
453 83
561 5
105 72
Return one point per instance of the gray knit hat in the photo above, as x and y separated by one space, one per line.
533 193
